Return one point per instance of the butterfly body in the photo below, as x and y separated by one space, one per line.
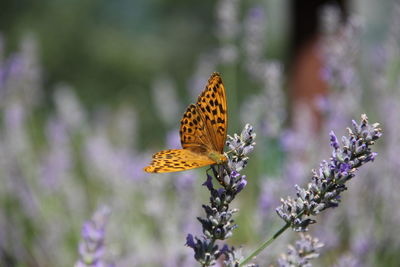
217 157
202 132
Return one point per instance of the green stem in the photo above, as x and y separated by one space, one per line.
275 236
264 245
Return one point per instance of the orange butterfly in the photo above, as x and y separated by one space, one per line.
203 133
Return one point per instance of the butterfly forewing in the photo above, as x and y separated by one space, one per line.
173 160
212 104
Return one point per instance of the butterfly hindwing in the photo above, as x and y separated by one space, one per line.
173 160
194 133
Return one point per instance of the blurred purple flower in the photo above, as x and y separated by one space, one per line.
330 19
57 162
271 190
339 48
14 117
254 41
185 182
348 260
108 161
173 140
91 248
323 104
299 154
227 19
304 250
20 76
69 109
227 12
166 100
205 63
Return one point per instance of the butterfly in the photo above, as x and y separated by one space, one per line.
202 133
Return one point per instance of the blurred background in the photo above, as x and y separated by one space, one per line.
89 90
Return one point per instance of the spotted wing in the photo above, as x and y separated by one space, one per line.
175 160
194 133
203 126
212 106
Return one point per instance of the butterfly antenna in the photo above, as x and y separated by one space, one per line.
230 151
208 170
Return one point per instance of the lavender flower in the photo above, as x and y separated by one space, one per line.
70 109
165 99
301 253
241 146
270 121
227 29
20 76
218 224
266 73
326 185
348 260
254 41
91 248
340 47
233 258
57 161
205 63
330 19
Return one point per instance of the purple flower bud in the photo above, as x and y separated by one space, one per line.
208 183
344 167
371 157
224 249
241 185
190 241
334 141
220 191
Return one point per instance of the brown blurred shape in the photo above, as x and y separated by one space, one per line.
305 82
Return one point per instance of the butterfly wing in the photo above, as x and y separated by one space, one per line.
203 126
194 133
212 104
174 160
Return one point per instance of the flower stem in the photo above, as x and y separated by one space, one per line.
265 244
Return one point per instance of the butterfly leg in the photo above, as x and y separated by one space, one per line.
219 172
208 170
214 172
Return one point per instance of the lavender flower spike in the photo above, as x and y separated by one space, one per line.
329 181
91 248
218 224
304 250
241 146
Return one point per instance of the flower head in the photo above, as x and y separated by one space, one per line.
301 253
329 181
218 224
